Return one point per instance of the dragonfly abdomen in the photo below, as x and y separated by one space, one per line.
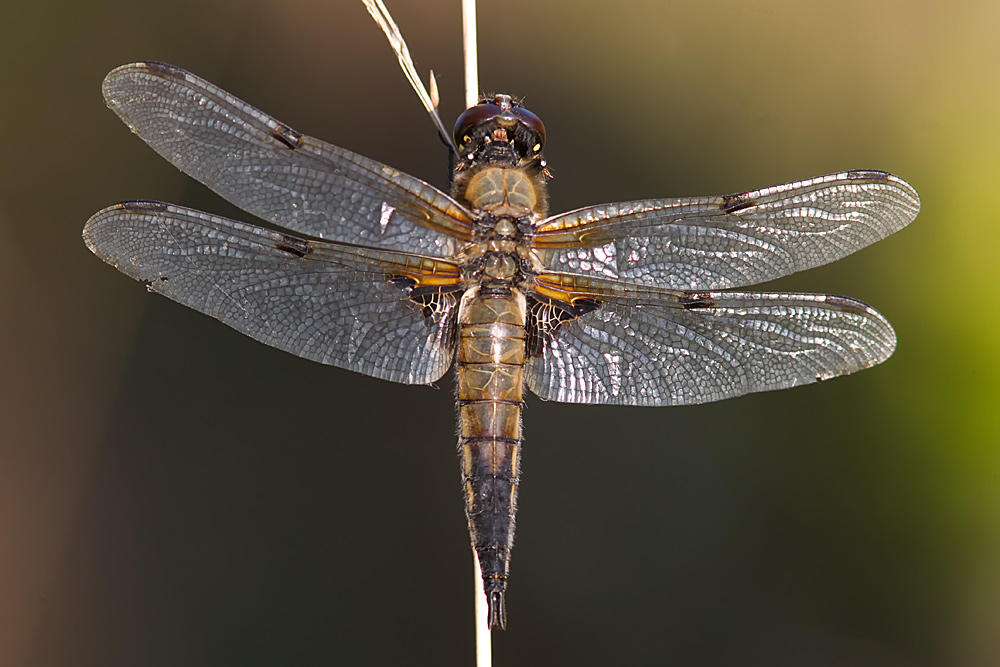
490 366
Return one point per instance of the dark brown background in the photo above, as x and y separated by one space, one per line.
172 493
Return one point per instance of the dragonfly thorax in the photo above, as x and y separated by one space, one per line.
496 264
500 267
504 192
501 253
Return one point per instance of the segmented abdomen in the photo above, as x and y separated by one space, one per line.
491 354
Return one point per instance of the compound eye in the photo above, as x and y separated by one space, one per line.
483 112
533 122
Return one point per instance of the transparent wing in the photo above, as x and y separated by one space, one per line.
657 347
275 173
708 243
356 308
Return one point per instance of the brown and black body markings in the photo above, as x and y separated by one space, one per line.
490 368
501 176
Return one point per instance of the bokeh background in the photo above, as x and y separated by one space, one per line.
172 493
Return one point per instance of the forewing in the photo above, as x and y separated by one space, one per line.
709 243
657 347
385 314
265 167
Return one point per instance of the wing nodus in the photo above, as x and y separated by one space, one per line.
490 366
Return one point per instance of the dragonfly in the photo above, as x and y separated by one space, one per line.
375 271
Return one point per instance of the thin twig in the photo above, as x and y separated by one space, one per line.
471 50
381 15
377 9
484 649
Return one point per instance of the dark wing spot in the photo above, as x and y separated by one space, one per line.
584 306
546 316
165 69
405 283
696 300
435 301
437 305
737 202
287 136
143 206
293 246
868 175
847 304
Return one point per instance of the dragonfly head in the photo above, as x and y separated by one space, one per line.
499 131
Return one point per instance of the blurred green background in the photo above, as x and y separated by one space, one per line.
172 493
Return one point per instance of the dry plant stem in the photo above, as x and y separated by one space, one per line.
471 50
484 647
381 15
430 101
